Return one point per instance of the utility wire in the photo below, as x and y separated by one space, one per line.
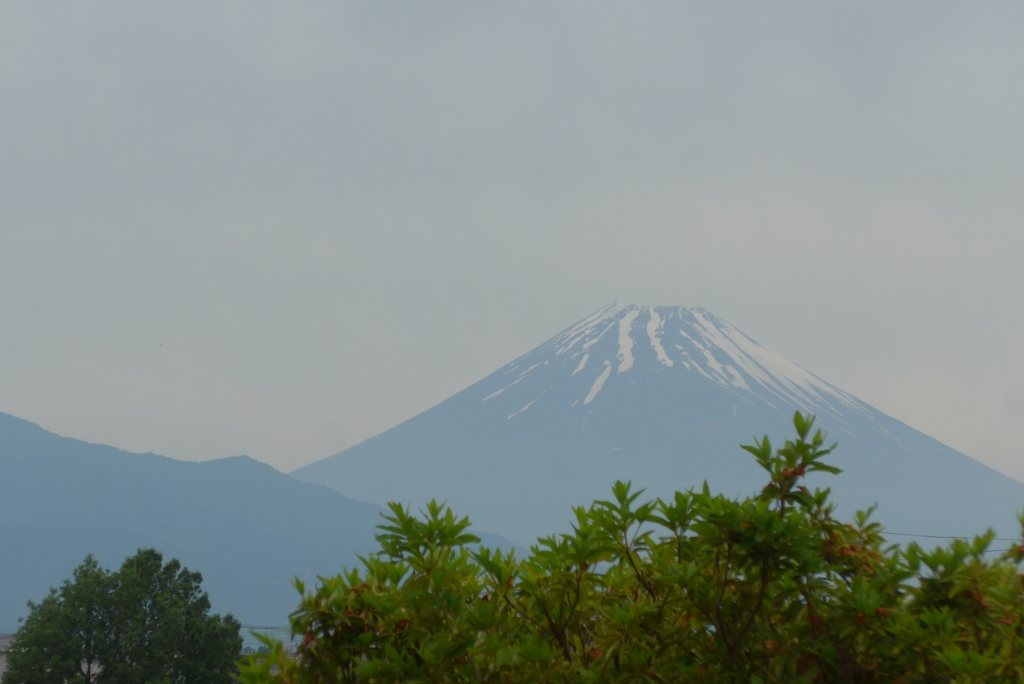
939 536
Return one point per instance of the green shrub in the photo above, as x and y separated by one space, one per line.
701 588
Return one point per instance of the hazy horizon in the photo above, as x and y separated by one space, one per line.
280 229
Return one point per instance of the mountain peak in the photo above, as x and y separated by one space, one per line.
637 341
662 396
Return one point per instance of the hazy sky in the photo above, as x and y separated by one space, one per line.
280 228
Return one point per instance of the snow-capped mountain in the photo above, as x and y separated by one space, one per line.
662 396
688 342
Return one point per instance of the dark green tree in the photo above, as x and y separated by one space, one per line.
63 636
148 622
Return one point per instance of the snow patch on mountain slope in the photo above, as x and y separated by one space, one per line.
777 374
599 383
626 340
570 337
522 409
654 326
682 340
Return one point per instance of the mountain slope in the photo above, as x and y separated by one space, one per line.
662 396
247 527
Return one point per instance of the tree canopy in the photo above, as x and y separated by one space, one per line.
699 588
148 622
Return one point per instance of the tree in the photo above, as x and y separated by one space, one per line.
701 588
63 636
148 622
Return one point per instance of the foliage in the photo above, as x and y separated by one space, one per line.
146 622
700 588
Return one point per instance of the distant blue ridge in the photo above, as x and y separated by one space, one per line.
246 527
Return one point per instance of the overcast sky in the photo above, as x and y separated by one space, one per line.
280 228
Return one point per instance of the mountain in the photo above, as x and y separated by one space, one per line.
246 527
662 396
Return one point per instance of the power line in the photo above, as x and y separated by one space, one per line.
939 536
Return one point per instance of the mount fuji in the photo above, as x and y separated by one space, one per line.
662 396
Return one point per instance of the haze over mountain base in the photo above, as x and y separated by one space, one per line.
662 396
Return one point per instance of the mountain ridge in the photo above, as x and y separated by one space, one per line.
248 528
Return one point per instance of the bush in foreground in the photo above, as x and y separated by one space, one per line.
700 588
